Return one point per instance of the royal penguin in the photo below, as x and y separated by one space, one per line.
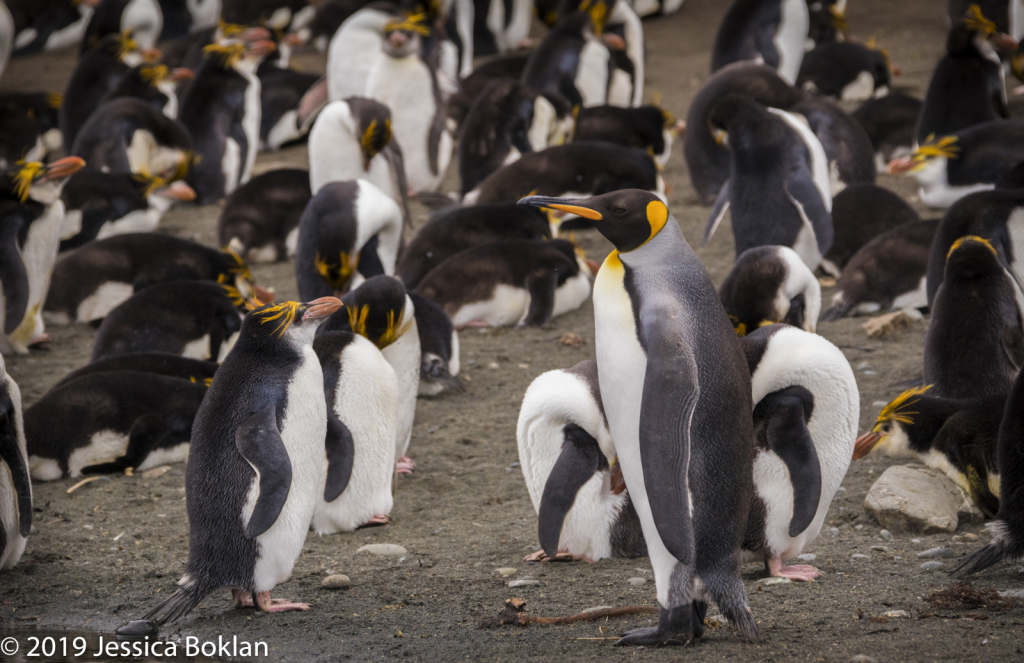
579 168
707 158
653 300
956 437
283 15
500 27
407 84
31 216
15 483
109 422
887 273
88 283
349 232
975 341
260 219
1007 529
196 319
891 123
779 188
847 146
827 22
770 284
650 128
806 409
439 348
255 464
362 402
283 96
159 363
567 457
48 25
847 71
355 47
382 311
142 19
157 85
453 230
573 60
509 283
772 32
29 127
861 212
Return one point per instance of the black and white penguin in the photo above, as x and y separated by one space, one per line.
255 466
159 363
362 401
512 282
1006 15
29 127
453 230
354 48
567 456
974 159
408 85
846 144
650 128
221 109
772 32
579 168
861 212
194 319
88 283
770 284
157 85
887 273
330 14
48 25
975 341
573 59
274 14
439 348
846 70
891 123
659 328
956 437
778 188
260 219
349 232
109 422
282 93
142 19
31 216
500 27
707 159
1007 529
15 484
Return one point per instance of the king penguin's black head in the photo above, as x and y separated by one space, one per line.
628 218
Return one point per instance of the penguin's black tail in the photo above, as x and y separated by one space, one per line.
180 603
1006 544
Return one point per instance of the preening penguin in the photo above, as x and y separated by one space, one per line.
255 465
846 70
142 19
661 331
439 348
770 284
770 31
347 226
157 85
650 128
260 219
15 484
566 454
362 403
890 123
975 341
107 422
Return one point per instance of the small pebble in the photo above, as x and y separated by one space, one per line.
384 549
523 582
863 658
937 553
636 582
970 536
492 364
859 527
897 557
932 566
505 571
775 581
897 614
858 556
835 531
840 489
886 534
957 538
138 629
336 581
596 608
807 557
916 541
880 548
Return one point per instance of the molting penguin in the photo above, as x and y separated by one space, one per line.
770 284
160 363
47 25
572 60
348 227
256 463
260 219
770 31
99 276
887 273
847 146
128 135
846 70
362 401
975 341
196 319
566 454
956 437
891 123
31 216
142 19
108 422
439 348
650 128
28 126
778 188
354 48
861 212
661 330
15 485
513 282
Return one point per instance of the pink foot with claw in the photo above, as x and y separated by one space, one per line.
378 519
561 556
803 572
264 603
405 465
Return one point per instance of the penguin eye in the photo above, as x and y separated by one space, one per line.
619 211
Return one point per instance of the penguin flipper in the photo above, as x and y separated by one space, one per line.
803 192
10 453
14 279
717 213
789 438
259 442
541 285
340 456
580 459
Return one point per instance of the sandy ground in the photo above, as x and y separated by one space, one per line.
113 549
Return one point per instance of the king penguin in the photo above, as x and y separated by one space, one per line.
661 333
15 484
772 32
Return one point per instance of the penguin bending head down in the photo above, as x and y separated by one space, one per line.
770 284
660 332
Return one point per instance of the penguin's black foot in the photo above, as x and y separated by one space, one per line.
675 627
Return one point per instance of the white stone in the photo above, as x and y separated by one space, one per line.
807 557
636 582
932 566
897 614
383 549
937 553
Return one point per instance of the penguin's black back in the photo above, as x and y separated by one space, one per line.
988 151
134 84
843 139
23 117
470 87
498 121
551 67
861 212
833 65
746 31
103 139
640 128
890 122
158 363
435 327
265 209
328 227
100 197
97 72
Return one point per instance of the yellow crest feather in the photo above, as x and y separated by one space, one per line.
27 174
896 410
976 21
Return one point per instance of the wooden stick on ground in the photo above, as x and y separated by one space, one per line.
514 612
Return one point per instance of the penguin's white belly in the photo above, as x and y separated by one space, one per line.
38 255
350 58
861 89
285 130
291 242
101 302
251 118
231 164
936 191
145 155
405 357
136 221
1015 231
104 446
366 401
916 298
620 90
775 488
592 73
790 37
507 306
176 454
72 224
302 432
806 243
198 348
570 295
226 346
67 36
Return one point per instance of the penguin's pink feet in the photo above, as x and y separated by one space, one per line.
40 341
561 556
405 465
803 572
378 519
243 599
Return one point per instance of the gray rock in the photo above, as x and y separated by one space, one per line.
523 582
937 553
384 549
932 566
857 556
636 582
969 536
914 498
886 534
336 581
774 581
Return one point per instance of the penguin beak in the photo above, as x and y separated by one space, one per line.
864 444
256 33
1005 42
64 167
262 47
182 74
567 205
613 41
262 294
321 308
593 265
180 191
902 165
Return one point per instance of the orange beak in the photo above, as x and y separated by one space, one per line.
864 444
1005 42
255 34
262 47
321 308
903 165
680 127
182 74
613 41
64 167
294 40
180 191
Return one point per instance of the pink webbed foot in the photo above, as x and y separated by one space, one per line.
802 572
266 604
405 465
378 519
561 556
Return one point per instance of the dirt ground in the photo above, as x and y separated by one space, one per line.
111 550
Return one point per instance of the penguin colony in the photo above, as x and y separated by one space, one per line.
733 423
